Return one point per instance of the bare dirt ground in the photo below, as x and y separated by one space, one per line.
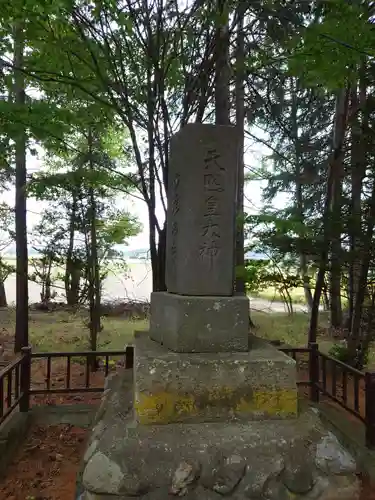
47 465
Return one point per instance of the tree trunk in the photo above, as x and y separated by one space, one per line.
70 268
240 124
3 296
358 170
22 309
306 282
222 68
341 113
324 254
93 265
48 291
325 297
299 192
354 338
334 175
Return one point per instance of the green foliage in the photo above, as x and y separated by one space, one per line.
334 45
256 275
340 352
261 275
5 270
80 188
282 235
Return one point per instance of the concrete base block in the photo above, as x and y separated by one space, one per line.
200 324
181 387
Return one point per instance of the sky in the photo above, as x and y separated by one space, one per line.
252 202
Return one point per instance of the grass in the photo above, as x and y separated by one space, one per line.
272 295
297 295
70 333
290 329
64 331
67 331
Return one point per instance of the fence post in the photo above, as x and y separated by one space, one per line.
129 356
314 371
370 409
25 379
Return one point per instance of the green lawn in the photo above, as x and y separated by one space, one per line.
297 295
290 329
271 294
67 331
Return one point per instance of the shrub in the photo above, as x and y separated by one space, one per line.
340 351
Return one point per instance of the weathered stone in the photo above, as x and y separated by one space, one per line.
100 496
185 475
332 458
201 493
148 456
200 324
275 490
97 431
202 210
198 493
90 450
133 483
259 472
321 484
298 473
142 461
103 406
102 475
180 387
344 488
225 475
111 381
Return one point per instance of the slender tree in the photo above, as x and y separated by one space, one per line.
22 314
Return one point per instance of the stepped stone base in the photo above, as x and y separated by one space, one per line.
181 387
282 460
185 323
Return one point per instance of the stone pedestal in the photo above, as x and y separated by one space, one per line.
185 323
183 387
286 459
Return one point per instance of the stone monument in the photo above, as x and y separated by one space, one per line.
204 414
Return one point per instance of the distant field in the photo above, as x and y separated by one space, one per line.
135 281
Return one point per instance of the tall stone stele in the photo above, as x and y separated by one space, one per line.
198 366
194 370
200 312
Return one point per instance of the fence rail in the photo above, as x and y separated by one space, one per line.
343 380
14 385
90 358
326 376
